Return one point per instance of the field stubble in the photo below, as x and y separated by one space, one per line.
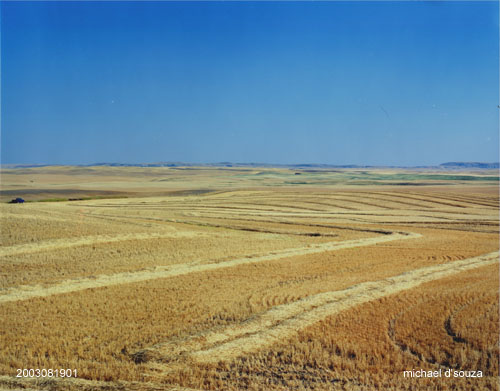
253 260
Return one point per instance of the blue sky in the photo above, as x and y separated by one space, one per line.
375 83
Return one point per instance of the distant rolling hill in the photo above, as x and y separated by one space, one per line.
443 166
461 165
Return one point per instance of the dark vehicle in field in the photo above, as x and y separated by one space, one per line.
17 201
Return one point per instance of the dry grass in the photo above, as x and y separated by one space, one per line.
250 258
370 345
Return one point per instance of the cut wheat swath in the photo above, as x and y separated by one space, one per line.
28 292
282 321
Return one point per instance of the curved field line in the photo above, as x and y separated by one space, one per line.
413 354
408 350
398 345
28 292
448 325
283 321
389 197
466 200
432 199
56 244
288 222
253 205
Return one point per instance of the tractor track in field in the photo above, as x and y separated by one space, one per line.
283 321
404 347
29 291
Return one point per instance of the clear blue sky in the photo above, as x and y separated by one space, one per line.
389 83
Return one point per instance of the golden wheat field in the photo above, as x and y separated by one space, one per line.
249 279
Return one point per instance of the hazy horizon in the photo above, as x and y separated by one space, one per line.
245 164
362 83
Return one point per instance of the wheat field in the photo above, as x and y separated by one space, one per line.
236 279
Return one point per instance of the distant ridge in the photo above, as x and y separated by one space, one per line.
469 165
443 166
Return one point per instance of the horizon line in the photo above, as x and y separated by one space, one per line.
228 164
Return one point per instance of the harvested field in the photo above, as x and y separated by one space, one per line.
207 279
